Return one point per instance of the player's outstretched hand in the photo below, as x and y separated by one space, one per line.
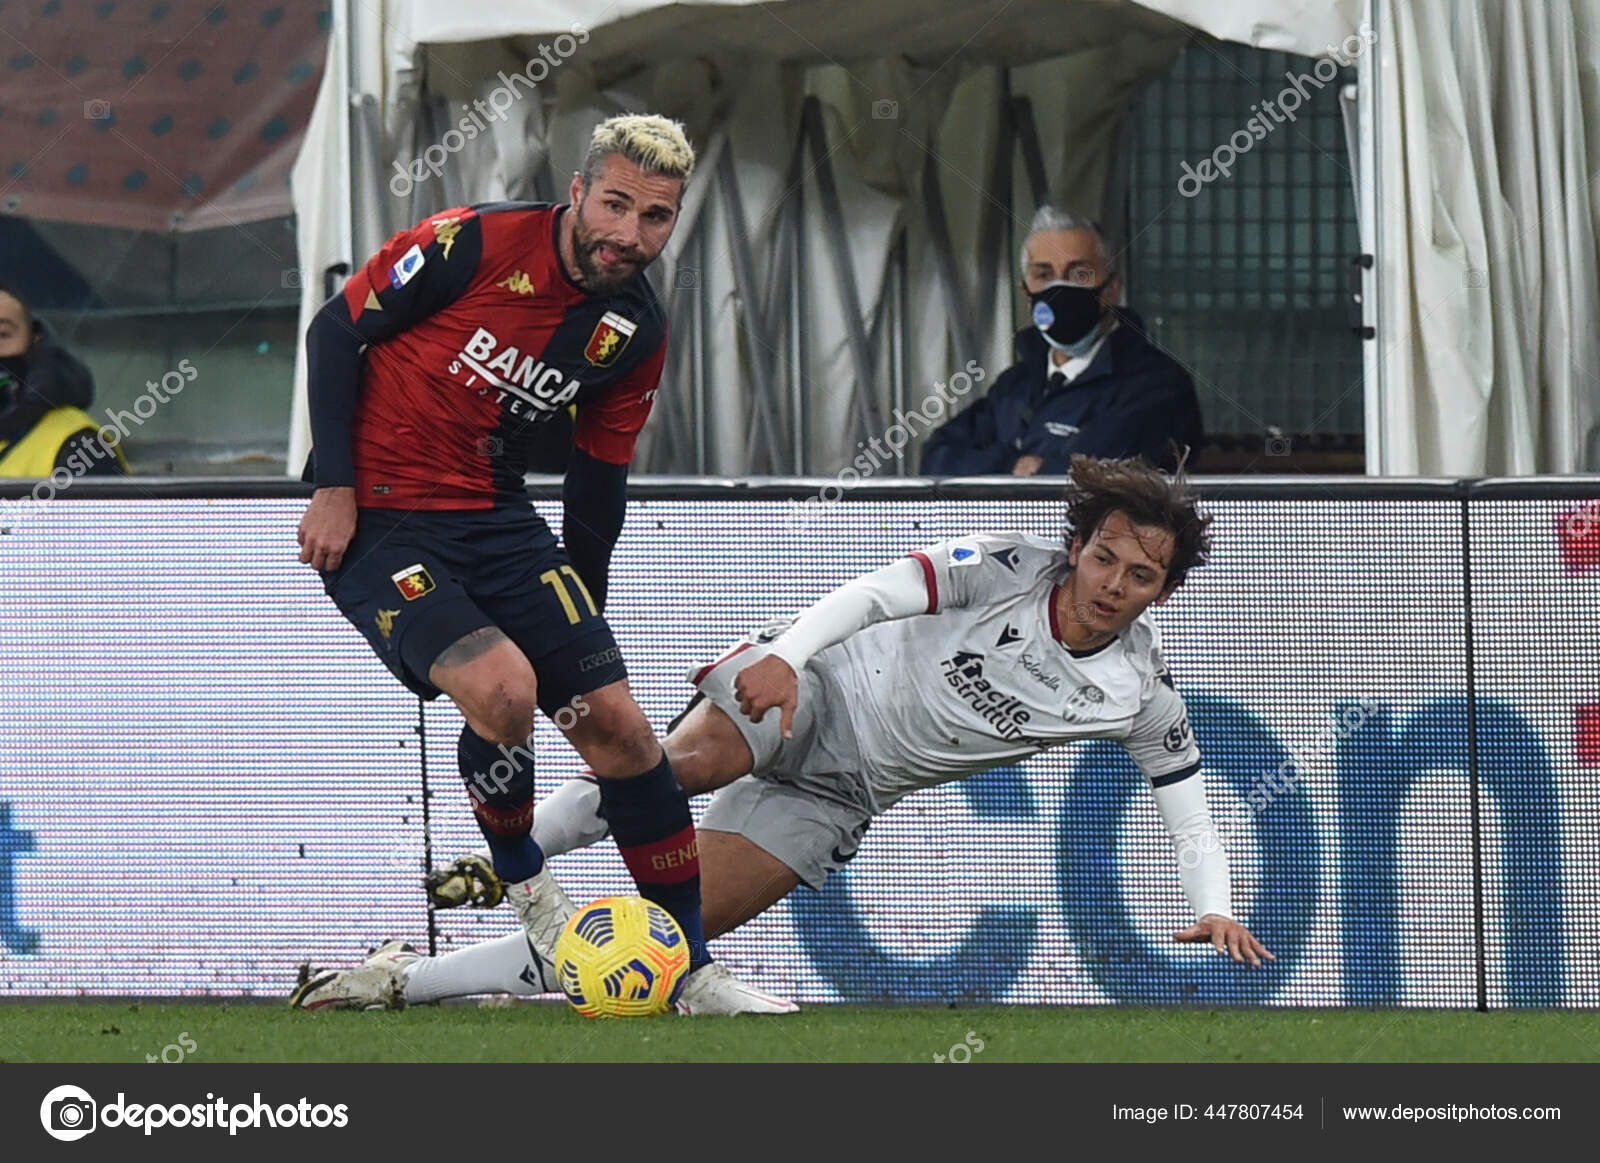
327 527
768 683
1229 936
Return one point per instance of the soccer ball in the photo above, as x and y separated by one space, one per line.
621 957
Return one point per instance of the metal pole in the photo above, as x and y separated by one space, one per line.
795 228
897 300
1368 97
702 329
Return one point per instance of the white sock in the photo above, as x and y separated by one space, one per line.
503 965
569 818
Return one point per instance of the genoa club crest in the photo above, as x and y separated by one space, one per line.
610 336
413 582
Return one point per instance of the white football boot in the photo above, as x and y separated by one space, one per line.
378 983
543 908
712 991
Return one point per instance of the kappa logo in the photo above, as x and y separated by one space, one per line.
444 233
385 621
600 658
518 283
610 337
414 582
1008 636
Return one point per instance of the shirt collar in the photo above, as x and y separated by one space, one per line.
1078 364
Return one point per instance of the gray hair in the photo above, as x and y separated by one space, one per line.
1047 219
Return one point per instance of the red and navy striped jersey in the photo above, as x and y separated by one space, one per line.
475 334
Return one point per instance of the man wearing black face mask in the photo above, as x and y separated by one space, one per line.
1087 379
43 391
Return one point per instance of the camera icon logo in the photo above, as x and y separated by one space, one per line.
291 280
490 446
885 110
1279 446
97 109
68 1113
686 279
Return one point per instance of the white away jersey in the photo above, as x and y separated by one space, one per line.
981 680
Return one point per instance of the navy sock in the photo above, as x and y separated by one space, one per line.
650 821
500 782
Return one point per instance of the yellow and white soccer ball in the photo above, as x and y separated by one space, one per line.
621 957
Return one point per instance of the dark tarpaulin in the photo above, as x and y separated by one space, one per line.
155 114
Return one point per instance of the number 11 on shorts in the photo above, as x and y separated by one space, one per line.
552 577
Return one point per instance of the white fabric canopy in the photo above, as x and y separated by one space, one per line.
1489 130
802 283
865 174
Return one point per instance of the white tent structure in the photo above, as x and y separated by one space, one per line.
867 170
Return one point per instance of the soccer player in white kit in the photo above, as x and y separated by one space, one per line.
968 655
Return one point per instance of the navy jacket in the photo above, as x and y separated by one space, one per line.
1133 400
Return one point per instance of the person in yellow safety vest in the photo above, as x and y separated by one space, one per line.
43 393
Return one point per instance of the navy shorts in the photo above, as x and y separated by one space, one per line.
416 582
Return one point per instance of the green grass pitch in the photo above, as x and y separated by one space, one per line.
550 1032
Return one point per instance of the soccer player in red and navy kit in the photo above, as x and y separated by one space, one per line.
428 376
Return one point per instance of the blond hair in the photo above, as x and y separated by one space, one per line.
657 145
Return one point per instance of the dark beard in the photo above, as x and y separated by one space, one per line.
590 276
